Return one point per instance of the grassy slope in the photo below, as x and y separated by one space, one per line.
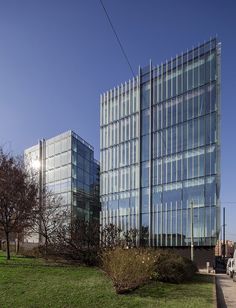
32 283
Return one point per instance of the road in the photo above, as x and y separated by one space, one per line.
226 291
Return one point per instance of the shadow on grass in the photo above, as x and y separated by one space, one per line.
27 261
19 260
200 287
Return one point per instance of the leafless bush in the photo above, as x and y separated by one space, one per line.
77 241
82 241
128 268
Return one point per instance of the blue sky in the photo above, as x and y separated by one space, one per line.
56 57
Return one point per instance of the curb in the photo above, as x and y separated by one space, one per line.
214 293
220 300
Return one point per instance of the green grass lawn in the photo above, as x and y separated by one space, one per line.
26 282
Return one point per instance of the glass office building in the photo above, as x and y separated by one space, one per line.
160 150
66 166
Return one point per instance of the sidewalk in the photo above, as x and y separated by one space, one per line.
225 291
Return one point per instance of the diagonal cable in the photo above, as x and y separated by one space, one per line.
117 38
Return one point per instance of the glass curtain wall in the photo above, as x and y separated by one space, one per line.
57 168
120 156
85 181
185 148
160 150
66 167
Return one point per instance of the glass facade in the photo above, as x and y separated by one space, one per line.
66 167
160 150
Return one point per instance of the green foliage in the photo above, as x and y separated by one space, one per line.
128 268
173 268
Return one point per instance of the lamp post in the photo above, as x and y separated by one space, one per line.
192 242
1 180
224 242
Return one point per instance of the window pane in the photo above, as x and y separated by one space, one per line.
145 200
145 96
145 174
145 121
145 148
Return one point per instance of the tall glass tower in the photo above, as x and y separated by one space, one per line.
160 150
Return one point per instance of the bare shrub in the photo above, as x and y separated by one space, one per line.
128 268
131 268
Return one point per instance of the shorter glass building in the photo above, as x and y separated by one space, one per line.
66 166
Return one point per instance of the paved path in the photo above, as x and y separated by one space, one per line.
226 291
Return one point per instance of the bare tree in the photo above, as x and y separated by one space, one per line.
130 238
82 241
48 217
78 241
112 236
18 192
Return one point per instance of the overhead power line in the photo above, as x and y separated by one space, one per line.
117 38
229 202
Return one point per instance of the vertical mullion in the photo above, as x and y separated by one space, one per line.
118 151
139 221
150 155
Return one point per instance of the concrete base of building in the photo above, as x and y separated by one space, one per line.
202 255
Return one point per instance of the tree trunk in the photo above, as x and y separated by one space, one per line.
8 246
46 247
